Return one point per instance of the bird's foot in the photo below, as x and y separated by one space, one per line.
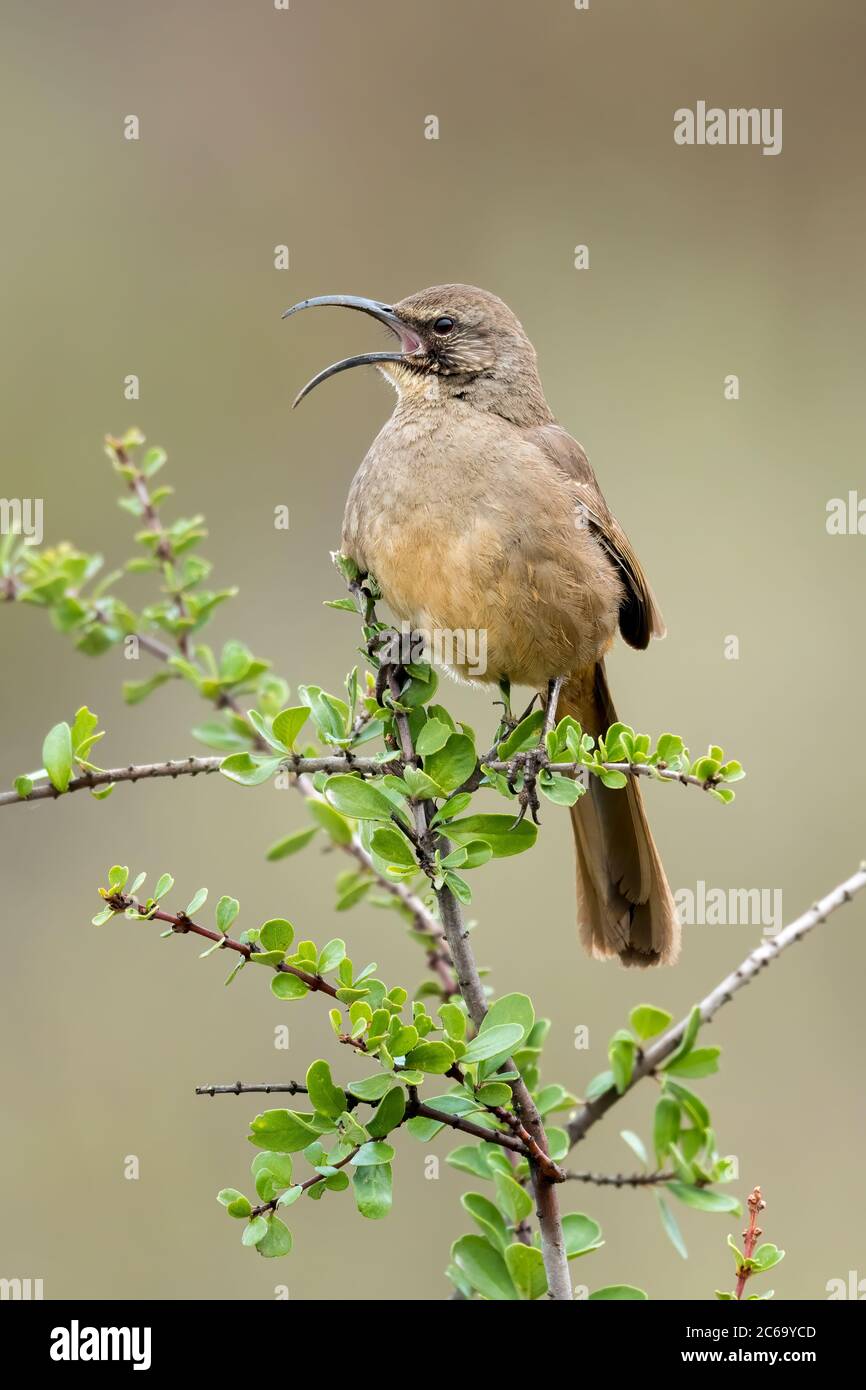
527 766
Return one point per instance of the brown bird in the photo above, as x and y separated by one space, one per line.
475 511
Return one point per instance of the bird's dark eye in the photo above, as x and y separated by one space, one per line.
443 325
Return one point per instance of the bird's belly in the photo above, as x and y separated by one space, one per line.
488 604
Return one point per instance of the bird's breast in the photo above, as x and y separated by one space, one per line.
468 530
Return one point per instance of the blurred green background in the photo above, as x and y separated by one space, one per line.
155 257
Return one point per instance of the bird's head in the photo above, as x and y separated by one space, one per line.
455 342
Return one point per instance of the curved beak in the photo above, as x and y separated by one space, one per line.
410 344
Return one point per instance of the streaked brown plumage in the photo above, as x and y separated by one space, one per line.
475 510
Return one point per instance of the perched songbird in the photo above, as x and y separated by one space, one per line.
475 510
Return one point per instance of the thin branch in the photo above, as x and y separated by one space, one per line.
472 991
332 763
310 1182
164 551
657 773
620 1179
186 767
414 1108
243 1088
751 1236
182 925
657 1052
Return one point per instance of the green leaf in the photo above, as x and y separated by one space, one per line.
435 1058
621 1292
582 1235
454 1020
456 803
353 797
136 691
283 1131
215 735
227 910
235 662
511 1010
262 727
325 1097
290 1196
235 1203
330 715
164 885
279 1169
513 1200
524 736
433 736
491 1041
402 1040
452 764
469 856
255 1231
284 985
622 1050
525 1265
330 956
599 1085
692 1104
469 1158
289 723
484 1267
374 1152
636 1145
703 1199
494 1093
454 1103
249 770
612 779
766 1256
562 791
500 832
372 1087
488 1217
688 1039
647 1021
388 1113
372 1187
671 1228
277 1241
666 1126
331 821
393 847
277 934
292 843
197 900
57 756
554 1097
701 1061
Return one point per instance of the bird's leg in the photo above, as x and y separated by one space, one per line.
506 723
554 689
530 763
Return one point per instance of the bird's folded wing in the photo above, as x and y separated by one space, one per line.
639 618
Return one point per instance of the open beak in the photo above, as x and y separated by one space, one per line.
410 344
